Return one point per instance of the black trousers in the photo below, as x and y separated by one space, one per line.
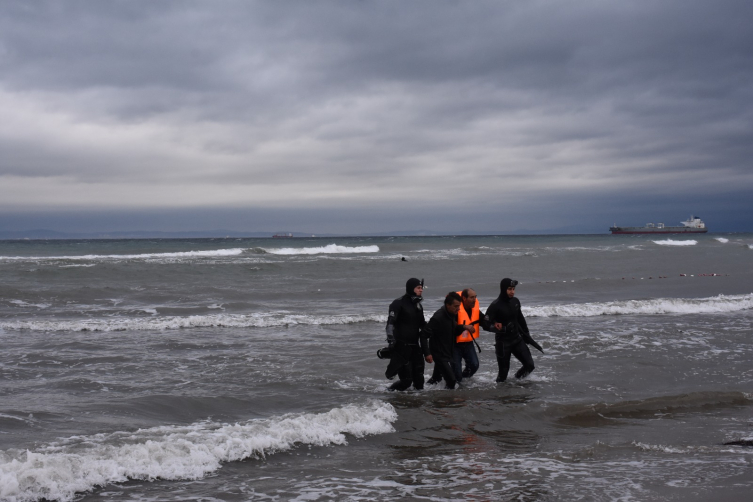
504 349
446 370
437 375
407 363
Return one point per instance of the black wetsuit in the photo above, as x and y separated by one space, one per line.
513 337
410 346
442 331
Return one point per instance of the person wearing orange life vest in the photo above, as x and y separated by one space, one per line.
469 314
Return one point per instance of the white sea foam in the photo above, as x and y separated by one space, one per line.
60 470
715 304
683 450
454 253
181 322
27 419
661 448
22 303
722 240
142 256
328 249
670 242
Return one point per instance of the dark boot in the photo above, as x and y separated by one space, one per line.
400 385
523 372
504 368
436 376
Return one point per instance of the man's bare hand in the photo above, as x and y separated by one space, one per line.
429 359
498 325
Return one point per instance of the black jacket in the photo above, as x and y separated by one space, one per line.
507 311
407 318
442 331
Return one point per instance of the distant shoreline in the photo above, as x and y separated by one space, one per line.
60 236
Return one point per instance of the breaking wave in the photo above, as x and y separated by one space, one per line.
670 242
142 256
721 239
60 470
211 253
328 249
195 321
715 304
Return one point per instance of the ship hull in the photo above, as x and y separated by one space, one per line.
665 230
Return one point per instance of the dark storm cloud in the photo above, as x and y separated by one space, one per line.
368 104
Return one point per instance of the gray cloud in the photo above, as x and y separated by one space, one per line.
365 105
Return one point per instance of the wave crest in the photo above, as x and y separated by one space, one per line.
670 242
197 321
715 304
328 249
60 470
142 256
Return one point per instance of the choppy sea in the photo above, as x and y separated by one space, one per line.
246 369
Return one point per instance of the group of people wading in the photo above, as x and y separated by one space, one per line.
449 338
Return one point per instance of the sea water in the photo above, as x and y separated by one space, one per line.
246 369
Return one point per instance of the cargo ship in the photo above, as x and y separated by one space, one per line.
692 225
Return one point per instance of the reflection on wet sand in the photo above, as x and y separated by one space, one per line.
606 414
468 423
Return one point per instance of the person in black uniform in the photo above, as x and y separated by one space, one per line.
442 330
409 347
511 336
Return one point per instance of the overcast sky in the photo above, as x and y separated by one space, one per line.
366 116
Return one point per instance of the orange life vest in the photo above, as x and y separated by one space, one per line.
464 319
